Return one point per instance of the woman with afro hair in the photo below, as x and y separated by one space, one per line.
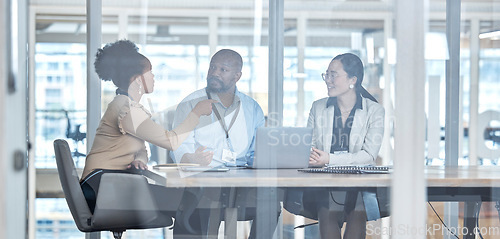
119 143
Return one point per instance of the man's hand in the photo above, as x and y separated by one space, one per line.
318 157
203 107
199 157
138 164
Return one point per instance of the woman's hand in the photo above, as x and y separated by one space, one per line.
203 107
318 157
138 164
199 157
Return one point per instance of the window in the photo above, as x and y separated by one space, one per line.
179 39
53 66
58 101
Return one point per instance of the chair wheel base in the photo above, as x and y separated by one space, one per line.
117 235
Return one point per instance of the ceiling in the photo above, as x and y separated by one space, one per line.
237 22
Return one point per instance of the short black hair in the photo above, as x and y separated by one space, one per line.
234 56
119 62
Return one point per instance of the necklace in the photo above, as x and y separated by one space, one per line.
345 111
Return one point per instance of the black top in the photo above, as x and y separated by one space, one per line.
340 134
121 92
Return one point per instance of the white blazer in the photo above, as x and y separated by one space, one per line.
365 137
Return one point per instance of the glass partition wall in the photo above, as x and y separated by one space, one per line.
179 37
477 119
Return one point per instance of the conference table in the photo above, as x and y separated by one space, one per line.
469 184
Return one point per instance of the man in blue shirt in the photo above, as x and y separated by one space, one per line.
226 137
230 129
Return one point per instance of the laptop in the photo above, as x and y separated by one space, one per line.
282 147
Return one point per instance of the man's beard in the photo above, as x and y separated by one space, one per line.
223 87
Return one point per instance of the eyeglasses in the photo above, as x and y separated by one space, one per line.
327 76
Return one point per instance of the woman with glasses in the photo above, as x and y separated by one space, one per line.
348 127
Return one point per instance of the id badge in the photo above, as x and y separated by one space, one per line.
228 156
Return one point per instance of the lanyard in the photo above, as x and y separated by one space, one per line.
221 120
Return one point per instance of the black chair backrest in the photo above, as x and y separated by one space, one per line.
71 186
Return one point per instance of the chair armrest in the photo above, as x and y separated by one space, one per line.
158 179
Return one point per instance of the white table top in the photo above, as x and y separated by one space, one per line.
437 176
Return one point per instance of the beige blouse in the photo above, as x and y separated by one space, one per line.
124 127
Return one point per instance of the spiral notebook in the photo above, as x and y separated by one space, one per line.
349 169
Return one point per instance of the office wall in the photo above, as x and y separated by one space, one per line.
13 117
3 35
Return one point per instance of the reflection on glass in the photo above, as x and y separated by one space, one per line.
60 105
180 36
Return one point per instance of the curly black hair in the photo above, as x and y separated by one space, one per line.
119 62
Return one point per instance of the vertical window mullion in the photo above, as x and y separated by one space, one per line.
276 44
94 22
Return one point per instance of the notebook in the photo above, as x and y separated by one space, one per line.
282 147
349 169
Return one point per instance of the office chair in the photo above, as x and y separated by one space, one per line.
76 135
123 202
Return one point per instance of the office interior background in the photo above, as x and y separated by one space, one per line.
446 53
